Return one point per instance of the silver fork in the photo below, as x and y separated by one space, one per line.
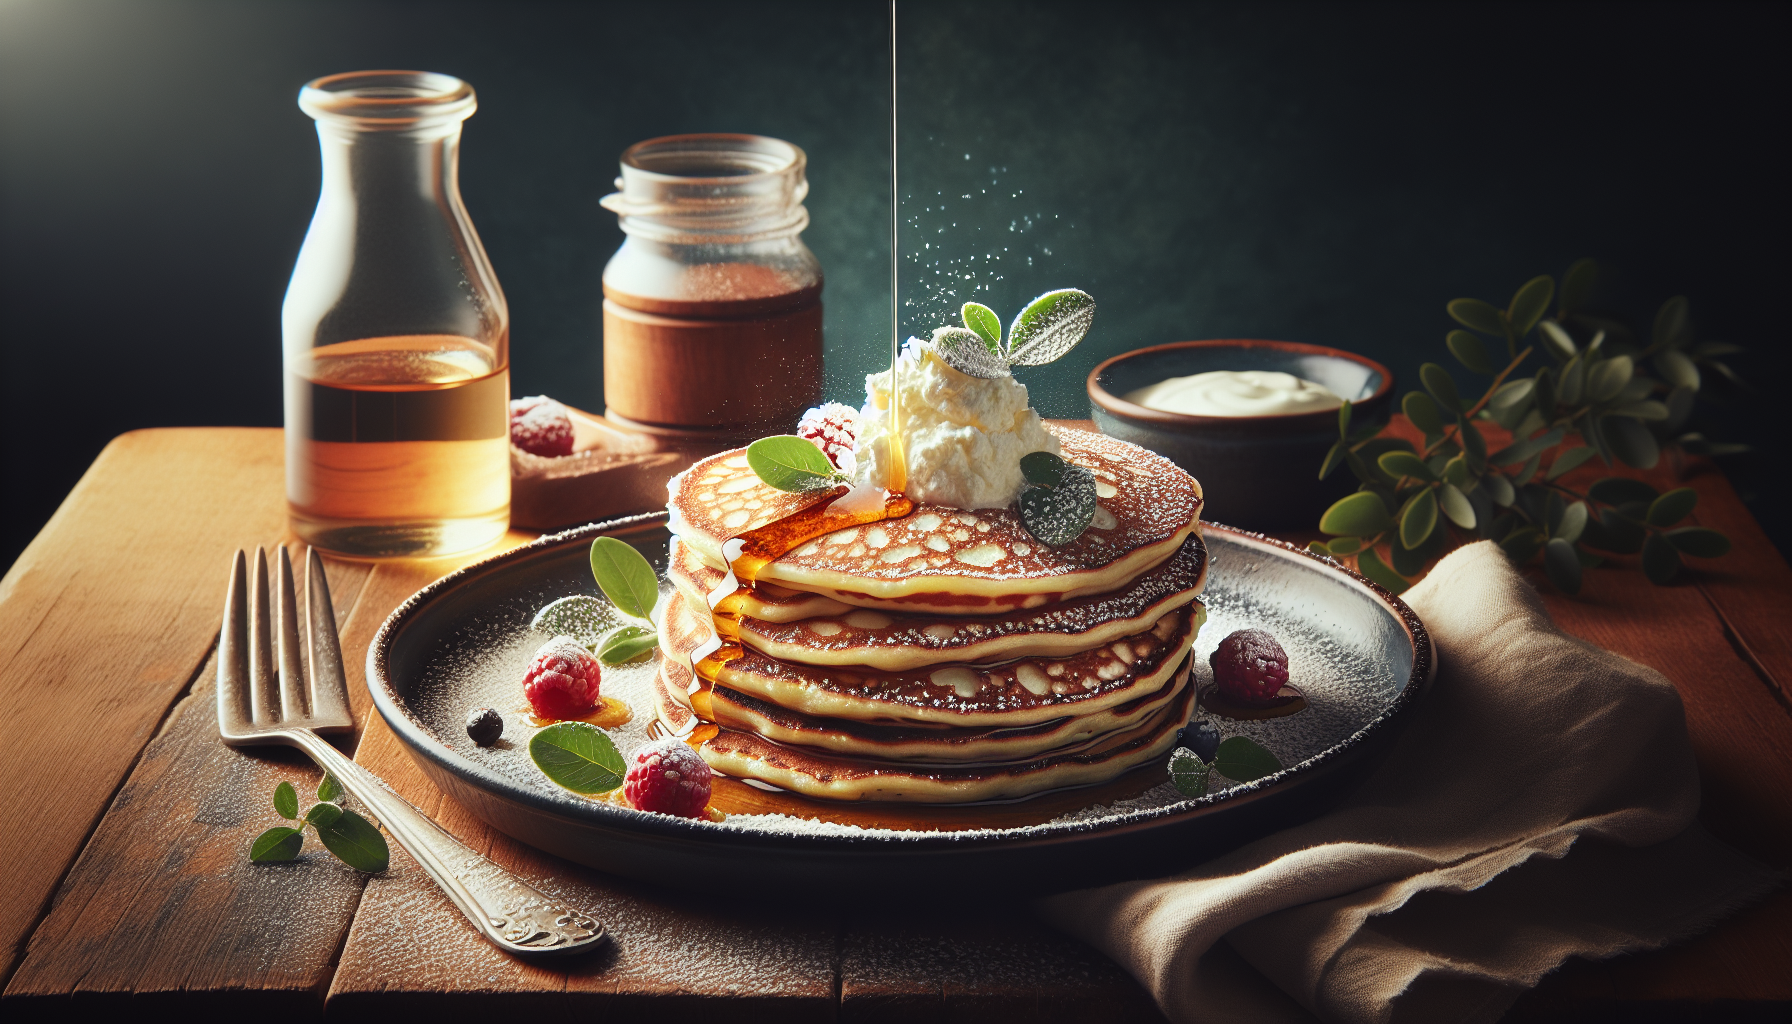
264 697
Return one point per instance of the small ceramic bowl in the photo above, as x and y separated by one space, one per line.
1258 472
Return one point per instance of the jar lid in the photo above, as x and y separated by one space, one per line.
388 100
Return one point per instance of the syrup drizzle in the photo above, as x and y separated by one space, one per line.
1287 701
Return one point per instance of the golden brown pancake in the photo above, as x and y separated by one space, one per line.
935 744
939 559
1026 691
831 777
894 641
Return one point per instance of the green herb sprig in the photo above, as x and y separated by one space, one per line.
1590 399
1048 328
578 756
627 578
1238 758
354 840
794 464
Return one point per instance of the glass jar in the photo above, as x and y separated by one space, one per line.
395 332
712 306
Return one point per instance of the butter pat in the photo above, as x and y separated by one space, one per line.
963 437
1235 393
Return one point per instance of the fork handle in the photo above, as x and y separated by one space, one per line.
510 912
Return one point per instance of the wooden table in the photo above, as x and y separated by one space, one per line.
126 823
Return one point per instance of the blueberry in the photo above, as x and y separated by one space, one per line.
485 725
1202 738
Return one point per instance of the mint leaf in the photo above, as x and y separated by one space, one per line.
323 815
968 352
1058 515
983 320
578 756
276 844
626 577
1043 468
1188 773
1242 760
581 616
627 644
329 790
286 800
355 841
789 463
1050 326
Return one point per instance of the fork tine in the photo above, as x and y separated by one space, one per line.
233 652
293 704
264 687
329 684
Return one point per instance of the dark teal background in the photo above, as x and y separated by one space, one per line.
1329 173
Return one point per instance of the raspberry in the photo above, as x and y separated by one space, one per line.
541 426
668 777
834 428
562 680
1250 666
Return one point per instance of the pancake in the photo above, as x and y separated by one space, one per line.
1027 691
894 642
932 744
830 777
939 559
765 602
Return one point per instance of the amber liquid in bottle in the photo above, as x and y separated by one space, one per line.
398 446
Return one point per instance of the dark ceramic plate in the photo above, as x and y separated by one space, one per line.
1359 653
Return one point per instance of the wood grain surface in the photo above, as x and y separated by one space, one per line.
144 840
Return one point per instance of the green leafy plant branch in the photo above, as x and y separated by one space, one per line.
1412 500
354 840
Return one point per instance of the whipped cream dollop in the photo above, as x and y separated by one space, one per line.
962 437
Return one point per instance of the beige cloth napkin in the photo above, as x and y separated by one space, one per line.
1539 805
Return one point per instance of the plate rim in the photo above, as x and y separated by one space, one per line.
420 743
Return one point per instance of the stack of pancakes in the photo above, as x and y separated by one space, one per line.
946 656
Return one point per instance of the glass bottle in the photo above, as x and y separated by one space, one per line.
396 336
712 306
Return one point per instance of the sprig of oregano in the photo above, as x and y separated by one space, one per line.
1050 326
1591 389
627 578
354 840
791 463
1060 503
1239 758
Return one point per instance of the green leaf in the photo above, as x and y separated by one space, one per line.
626 577
1344 411
1661 561
1562 565
788 463
1499 489
1456 471
1573 381
1616 490
1546 393
1370 565
286 801
1557 340
1332 457
1614 532
1699 542
1567 460
968 352
1512 392
1473 445
1677 369
583 617
329 790
1607 377
1530 303
1455 504
1188 773
1419 519
356 842
1476 316
1043 468
630 643
1631 441
1468 350
1050 326
1649 411
1423 412
1058 515
1588 560
1442 386
1577 284
1522 543
1518 451
1399 464
1318 547
1679 403
277 844
1670 324
1672 507
1344 546
1572 523
578 756
1527 471
323 815
1241 759
1356 515
983 320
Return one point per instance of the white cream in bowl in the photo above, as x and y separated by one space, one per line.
1235 393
